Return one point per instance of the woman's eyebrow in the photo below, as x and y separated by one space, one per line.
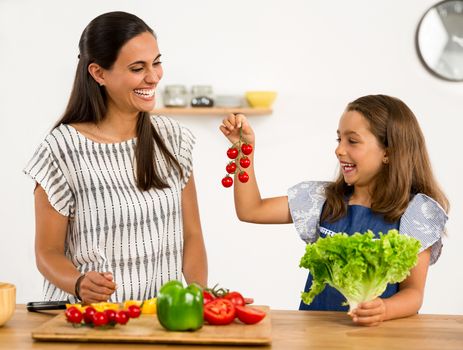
143 62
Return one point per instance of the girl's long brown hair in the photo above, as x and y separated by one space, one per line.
101 42
408 171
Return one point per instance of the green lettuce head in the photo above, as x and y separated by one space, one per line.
359 266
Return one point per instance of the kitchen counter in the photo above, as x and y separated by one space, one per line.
291 330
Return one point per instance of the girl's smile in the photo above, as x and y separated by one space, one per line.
360 155
347 168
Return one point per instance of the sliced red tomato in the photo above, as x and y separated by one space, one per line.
207 296
219 312
235 297
248 300
249 315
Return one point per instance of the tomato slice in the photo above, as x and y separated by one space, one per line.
249 315
236 298
248 300
219 311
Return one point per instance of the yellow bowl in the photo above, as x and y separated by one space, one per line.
260 99
7 301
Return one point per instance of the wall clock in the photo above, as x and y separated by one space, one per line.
439 40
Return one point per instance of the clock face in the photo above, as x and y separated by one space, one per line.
439 40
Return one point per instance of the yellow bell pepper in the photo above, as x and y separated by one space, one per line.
149 306
127 303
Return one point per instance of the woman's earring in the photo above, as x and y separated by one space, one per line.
385 160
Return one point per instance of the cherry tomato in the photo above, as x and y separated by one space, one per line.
245 162
99 319
207 296
88 314
111 315
249 315
246 148
134 311
219 312
227 181
243 177
73 315
232 153
231 168
122 317
235 297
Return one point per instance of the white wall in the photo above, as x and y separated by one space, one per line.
318 55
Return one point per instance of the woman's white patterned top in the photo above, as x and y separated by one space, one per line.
113 226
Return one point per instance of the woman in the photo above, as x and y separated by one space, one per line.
115 200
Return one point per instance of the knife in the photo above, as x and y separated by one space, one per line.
46 305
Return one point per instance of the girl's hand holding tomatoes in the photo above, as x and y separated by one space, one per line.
231 128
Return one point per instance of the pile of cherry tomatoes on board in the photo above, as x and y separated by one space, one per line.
102 314
238 152
221 307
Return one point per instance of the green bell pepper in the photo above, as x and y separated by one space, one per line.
179 308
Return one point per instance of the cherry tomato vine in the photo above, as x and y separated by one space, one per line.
238 153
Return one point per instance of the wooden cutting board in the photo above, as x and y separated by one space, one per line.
146 329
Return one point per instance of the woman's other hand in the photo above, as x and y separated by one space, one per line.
370 313
96 287
231 128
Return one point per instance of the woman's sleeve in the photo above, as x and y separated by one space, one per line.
185 154
45 170
306 201
425 220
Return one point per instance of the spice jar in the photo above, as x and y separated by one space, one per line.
202 96
175 96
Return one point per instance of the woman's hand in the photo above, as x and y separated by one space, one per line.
96 287
231 128
370 313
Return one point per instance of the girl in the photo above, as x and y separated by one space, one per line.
115 197
385 182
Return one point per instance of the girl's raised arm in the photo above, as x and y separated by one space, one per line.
249 205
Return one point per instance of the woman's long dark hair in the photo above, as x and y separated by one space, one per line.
100 43
408 170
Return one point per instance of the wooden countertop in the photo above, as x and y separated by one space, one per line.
291 330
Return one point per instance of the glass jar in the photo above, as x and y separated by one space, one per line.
175 96
202 96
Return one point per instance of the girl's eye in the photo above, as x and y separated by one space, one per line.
338 139
157 63
352 141
136 69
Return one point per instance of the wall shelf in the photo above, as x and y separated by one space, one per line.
218 111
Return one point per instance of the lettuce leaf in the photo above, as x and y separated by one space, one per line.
359 266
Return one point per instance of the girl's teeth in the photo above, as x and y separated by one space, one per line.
348 166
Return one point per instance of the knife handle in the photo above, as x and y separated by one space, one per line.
46 305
